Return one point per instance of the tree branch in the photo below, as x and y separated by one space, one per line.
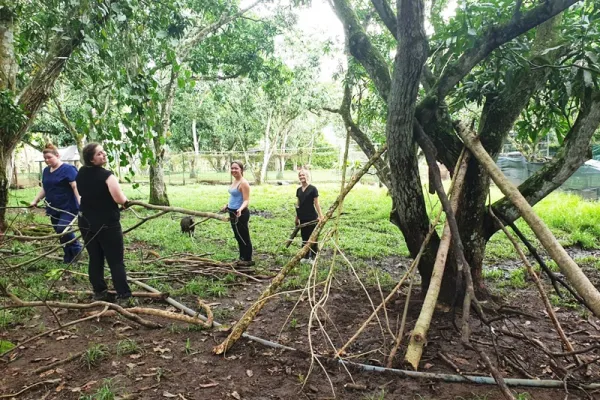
574 153
361 138
361 48
387 16
496 37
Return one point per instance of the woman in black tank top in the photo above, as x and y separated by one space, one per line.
99 222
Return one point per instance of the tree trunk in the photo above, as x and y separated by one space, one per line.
158 189
194 161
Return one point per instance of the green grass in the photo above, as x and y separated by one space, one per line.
104 392
94 354
128 346
366 235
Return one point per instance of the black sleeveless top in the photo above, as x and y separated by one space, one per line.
97 205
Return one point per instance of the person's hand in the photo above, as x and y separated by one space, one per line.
127 204
238 213
223 209
33 204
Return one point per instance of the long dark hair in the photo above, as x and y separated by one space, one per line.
88 154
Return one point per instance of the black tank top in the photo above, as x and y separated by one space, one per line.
97 205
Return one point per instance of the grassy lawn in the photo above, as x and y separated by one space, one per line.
365 230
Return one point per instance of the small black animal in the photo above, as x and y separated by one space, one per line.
187 225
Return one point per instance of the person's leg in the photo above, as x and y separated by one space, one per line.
244 233
111 240
72 249
305 232
96 255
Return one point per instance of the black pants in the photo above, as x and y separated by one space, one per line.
105 243
239 225
305 233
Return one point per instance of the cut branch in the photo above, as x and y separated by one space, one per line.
568 267
179 210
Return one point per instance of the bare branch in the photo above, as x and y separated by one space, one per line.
387 15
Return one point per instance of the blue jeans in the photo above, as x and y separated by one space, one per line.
59 223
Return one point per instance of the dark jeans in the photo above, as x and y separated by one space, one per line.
105 243
242 233
59 223
305 233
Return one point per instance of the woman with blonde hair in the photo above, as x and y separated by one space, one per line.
60 190
307 210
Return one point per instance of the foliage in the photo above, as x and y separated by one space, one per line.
94 354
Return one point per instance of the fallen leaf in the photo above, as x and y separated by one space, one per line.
427 366
249 373
131 365
88 385
236 395
162 350
45 374
135 356
168 395
63 337
209 385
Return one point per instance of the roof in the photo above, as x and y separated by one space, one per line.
67 154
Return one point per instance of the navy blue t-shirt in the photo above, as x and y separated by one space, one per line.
57 186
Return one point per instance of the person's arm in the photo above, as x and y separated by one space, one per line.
318 208
75 191
39 197
245 189
115 190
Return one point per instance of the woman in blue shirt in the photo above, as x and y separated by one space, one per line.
60 191
239 197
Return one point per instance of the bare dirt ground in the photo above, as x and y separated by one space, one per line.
176 362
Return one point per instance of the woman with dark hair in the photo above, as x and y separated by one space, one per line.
239 197
60 190
99 222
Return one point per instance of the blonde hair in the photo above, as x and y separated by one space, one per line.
49 148
306 174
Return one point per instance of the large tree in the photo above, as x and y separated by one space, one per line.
37 39
496 61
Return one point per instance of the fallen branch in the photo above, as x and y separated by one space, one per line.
553 278
419 334
59 362
240 327
157 296
36 337
495 373
144 220
180 210
568 267
538 284
46 382
296 230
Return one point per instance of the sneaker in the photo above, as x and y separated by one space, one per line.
127 302
243 263
104 296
